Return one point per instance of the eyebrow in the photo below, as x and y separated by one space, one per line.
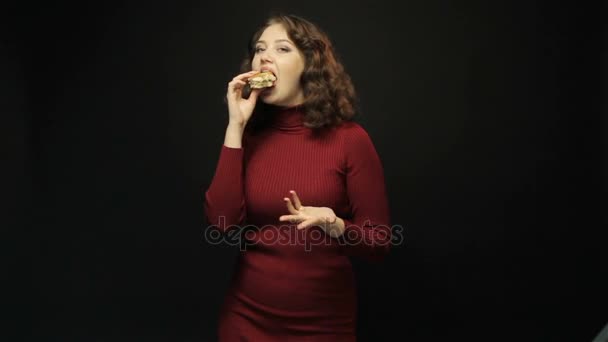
276 41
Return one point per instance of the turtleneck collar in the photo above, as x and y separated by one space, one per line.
288 119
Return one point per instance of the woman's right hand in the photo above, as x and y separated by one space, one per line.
240 109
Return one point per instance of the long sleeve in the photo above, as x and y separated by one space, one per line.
224 199
367 233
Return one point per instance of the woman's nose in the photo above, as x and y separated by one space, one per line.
266 57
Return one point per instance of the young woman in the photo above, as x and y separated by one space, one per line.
303 185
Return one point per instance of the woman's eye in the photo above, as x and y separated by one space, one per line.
282 49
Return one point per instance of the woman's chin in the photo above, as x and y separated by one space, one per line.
266 100
266 96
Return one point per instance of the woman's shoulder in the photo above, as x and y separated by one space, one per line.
353 130
350 127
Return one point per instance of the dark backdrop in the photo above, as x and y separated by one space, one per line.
487 116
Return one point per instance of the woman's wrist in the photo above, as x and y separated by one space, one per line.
237 124
336 228
234 135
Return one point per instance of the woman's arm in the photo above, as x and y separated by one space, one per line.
367 233
224 199
224 203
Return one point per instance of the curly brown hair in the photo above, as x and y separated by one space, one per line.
329 95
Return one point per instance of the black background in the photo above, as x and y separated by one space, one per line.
489 117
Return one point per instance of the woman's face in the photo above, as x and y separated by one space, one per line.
274 51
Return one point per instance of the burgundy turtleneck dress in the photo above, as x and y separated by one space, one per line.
289 284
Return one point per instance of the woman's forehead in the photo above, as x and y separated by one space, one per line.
274 32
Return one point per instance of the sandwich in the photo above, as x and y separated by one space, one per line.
263 79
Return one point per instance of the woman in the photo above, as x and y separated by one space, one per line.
306 182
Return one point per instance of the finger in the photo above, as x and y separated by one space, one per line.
290 206
305 224
254 94
245 75
329 219
296 200
238 82
235 85
290 218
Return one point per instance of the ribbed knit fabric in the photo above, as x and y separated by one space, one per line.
289 283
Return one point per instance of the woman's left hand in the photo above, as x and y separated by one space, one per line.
322 217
